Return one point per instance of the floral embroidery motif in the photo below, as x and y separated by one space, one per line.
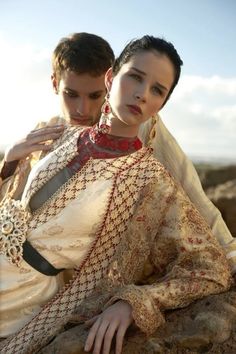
13 229
145 221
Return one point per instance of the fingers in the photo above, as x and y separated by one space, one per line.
102 333
100 336
44 134
91 335
120 338
48 129
108 338
116 318
34 141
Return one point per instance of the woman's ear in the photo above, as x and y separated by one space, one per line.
54 83
108 79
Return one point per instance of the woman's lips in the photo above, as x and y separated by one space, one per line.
134 109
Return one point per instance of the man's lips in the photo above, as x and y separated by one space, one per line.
134 109
80 120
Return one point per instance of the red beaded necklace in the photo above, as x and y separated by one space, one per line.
114 143
95 144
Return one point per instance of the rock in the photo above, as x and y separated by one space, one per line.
206 326
224 198
212 176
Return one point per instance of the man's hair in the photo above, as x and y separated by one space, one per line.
83 53
147 44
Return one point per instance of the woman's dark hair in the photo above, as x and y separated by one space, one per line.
147 44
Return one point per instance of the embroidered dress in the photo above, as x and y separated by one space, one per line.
129 231
167 151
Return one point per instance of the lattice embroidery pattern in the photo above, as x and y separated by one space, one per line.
93 170
62 156
119 211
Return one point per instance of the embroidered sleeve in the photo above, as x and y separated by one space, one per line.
169 153
188 260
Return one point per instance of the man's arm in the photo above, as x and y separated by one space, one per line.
21 155
168 152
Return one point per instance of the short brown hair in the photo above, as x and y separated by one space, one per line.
82 53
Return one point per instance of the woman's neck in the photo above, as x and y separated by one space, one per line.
118 128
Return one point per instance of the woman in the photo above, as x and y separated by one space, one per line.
138 245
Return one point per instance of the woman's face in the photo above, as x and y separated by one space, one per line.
139 89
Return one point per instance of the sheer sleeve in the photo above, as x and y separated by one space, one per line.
167 150
183 251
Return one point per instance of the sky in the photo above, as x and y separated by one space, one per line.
201 113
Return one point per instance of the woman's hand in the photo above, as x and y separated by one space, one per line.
34 141
115 319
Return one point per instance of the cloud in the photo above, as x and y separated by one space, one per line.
201 115
25 90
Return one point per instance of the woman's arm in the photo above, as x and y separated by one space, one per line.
168 152
184 252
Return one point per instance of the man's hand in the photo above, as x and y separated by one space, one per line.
115 319
34 141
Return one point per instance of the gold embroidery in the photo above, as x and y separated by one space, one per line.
120 208
13 229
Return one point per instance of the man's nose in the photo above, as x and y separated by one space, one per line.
82 107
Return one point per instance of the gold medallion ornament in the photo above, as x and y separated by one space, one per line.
13 229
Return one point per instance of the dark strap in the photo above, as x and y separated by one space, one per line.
38 262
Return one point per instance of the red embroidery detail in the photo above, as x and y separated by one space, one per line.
94 144
141 218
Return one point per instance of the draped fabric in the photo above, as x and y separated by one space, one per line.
136 236
167 151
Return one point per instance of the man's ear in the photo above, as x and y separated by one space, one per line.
109 79
54 83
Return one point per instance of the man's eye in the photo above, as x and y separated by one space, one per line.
95 96
71 94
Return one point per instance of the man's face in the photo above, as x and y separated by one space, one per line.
81 97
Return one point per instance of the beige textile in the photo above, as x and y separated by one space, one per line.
150 245
168 152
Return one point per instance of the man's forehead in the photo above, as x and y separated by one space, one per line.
82 82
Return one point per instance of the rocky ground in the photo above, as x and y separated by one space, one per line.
206 326
219 183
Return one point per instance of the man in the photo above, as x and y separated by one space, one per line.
79 64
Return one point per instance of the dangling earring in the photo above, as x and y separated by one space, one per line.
104 124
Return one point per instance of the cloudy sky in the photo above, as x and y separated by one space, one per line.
202 112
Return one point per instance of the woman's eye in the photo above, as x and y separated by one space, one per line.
157 91
136 77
